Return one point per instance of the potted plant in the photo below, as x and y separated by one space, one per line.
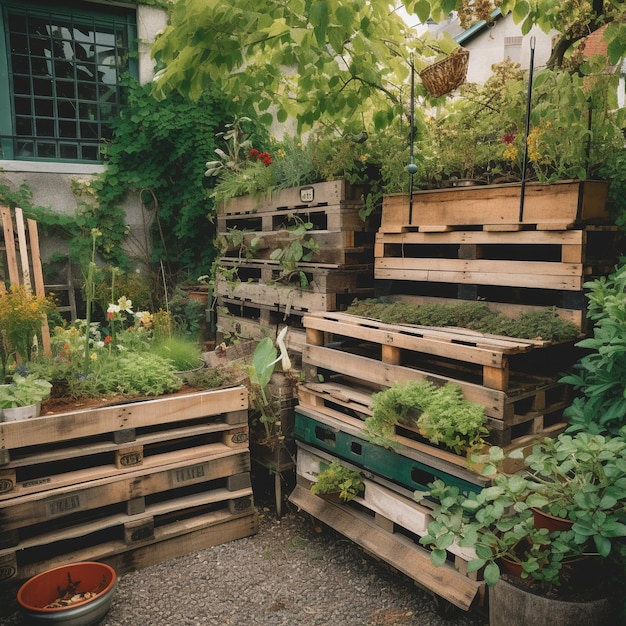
441 414
22 398
338 482
498 522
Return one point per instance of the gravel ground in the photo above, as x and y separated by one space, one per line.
292 572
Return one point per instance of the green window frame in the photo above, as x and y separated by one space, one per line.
61 69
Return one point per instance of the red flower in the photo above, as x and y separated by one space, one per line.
110 315
508 138
108 339
267 160
253 153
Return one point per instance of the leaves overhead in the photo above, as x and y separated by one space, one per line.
310 59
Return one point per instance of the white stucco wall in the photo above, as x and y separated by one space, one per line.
501 41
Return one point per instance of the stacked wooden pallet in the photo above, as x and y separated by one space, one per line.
257 293
480 244
442 247
129 484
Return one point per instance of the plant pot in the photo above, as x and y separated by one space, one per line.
41 590
510 605
551 522
19 413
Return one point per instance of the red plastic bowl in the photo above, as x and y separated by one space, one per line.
35 594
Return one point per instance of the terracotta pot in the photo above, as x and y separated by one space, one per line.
551 522
41 590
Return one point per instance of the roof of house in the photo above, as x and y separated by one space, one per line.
476 29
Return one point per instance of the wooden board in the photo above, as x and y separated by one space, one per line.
336 192
176 538
560 204
396 550
122 418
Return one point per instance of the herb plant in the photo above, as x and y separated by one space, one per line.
336 478
441 413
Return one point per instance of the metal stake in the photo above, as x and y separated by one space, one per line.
527 128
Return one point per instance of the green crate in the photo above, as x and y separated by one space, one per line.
387 463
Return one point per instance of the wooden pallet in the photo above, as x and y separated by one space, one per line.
181 476
157 536
530 401
170 472
336 192
329 288
264 323
557 206
339 247
121 423
335 399
550 260
399 551
491 360
393 508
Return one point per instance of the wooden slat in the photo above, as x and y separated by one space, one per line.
398 551
23 248
67 426
537 274
9 242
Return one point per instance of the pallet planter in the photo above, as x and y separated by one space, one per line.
387 523
130 484
411 464
511 378
555 206
255 293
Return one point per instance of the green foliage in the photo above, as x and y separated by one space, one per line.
336 478
182 352
600 375
573 19
24 391
442 413
299 249
161 148
542 324
346 58
580 476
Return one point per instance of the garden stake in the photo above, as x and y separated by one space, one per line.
527 128
412 168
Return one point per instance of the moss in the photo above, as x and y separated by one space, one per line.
544 324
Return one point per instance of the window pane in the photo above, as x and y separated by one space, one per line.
69 152
64 76
46 150
45 128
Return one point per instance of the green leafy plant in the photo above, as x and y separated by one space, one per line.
260 372
599 376
498 524
442 414
24 391
21 320
336 478
581 477
299 249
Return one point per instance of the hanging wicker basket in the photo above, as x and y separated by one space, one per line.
446 75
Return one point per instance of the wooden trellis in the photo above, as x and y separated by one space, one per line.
23 260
